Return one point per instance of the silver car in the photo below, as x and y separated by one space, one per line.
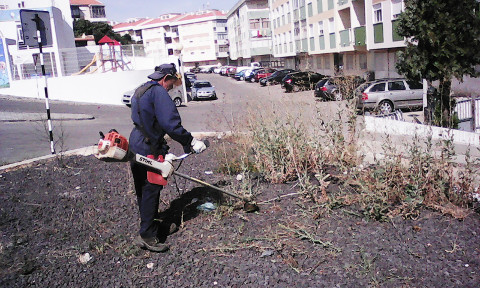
175 94
202 89
386 95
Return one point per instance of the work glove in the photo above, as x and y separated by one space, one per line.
167 169
198 146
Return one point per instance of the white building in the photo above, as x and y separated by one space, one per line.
249 32
203 35
330 36
91 10
21 56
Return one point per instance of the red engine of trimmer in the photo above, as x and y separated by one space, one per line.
112 147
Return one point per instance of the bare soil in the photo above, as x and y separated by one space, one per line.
54 212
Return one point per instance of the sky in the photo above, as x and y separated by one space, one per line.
121 10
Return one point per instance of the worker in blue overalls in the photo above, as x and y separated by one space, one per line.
154 114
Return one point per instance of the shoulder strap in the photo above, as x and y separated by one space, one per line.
138 94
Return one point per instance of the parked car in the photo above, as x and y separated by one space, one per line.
202 89
191 76
327 90
217 70
276 77
299 81
224 70
250 74
387 95
175 94
263 73
240 75
231 71
195 69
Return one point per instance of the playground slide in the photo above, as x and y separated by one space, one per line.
94 60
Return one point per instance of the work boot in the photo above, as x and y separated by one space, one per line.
151 244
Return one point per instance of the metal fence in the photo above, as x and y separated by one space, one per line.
83 60
469 111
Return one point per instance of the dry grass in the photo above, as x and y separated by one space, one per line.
282 148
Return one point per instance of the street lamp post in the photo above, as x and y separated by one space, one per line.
179 48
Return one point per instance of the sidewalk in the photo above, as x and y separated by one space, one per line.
21 117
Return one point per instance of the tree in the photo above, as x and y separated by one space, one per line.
443 42
98 30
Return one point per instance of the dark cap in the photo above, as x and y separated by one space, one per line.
162 70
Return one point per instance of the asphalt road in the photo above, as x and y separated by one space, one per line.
236 101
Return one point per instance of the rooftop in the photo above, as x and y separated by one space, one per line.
86 2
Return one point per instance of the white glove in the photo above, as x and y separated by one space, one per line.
167 169
198 146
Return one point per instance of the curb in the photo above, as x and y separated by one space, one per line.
28 117
90 150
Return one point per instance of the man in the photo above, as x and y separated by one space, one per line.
154 114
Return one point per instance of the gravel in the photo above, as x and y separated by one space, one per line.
71 223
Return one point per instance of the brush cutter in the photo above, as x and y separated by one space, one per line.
113 147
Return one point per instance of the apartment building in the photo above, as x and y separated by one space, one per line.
332 36
203 35
91 10
135 27
249 32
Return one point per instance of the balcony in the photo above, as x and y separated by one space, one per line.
360 36
171 34
378 33
222 42
345 38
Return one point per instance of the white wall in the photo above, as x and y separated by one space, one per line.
106 88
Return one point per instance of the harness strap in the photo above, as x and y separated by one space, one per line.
140 126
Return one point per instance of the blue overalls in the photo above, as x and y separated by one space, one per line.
159 116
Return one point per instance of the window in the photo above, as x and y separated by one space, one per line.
310 30
396 85
254 23
331 25
377 13
396 8
97 12
415 85
295 4
265 23
378 87
320 28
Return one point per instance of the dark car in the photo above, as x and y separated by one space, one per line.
299 81
276 77
327 90
195 70
240 75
